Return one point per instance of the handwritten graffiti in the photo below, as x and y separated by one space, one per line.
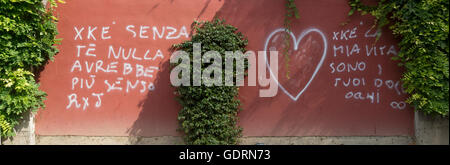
296 41
128 69
352 72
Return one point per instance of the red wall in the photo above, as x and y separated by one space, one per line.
324 108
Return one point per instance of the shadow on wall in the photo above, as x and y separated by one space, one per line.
256 19
153 112
246 16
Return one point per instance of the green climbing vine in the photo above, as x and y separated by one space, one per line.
27 36
291 12
423 27
209 113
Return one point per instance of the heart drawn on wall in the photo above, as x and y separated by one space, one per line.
306 56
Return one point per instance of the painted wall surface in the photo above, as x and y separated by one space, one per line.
111 77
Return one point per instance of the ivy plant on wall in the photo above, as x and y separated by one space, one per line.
209 113
27 38
423 27
291 12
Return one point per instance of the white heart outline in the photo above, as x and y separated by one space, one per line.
296 42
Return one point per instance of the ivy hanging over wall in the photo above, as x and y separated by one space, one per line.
423 27
291 12
27 38
209 113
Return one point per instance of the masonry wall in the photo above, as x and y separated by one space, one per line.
344 87
429 131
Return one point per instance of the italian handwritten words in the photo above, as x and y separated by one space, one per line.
350 66
118 69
